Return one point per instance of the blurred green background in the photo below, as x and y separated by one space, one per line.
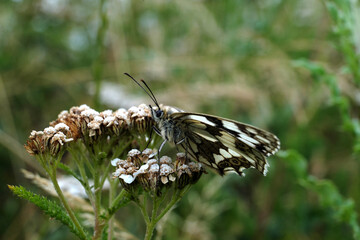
230 58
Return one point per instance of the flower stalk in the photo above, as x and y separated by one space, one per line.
66 204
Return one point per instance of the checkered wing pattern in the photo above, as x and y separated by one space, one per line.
225 145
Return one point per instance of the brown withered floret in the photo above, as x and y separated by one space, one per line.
34 144
51 140
187 173
71 120
140 118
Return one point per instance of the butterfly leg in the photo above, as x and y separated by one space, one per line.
180 143
186 150
158 133
158 192
149 141
161 146
184 144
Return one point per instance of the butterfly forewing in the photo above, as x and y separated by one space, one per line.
223 144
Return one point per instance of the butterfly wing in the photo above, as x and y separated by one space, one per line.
225 145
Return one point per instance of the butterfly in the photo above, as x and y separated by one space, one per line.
222 144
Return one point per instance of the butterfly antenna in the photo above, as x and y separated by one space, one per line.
150 95
156 102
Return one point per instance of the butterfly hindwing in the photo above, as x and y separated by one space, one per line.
225 145
217 155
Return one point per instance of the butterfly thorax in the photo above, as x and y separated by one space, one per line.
166 127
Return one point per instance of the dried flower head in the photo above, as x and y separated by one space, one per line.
85 123
140 118
50 140
187 173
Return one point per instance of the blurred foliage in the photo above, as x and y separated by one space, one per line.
229 58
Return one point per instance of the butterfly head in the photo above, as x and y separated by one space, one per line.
156 113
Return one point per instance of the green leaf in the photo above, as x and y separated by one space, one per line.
50 208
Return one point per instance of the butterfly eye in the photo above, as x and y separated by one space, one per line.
159 113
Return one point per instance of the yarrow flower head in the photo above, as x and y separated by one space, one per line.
85 123
51 140
140 118
141 169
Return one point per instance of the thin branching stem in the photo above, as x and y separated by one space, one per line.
86 185
112 192
176 197
65 203
142 207
157 201
99 224
118 198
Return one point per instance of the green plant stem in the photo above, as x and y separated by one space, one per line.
65 203
105 175
86 181
143 209
80 164
149 230
151 224
177 196
99 223
118 198
112 190
41 159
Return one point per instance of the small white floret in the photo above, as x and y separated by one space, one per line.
115 161
127 178
49 130
61 126
134 152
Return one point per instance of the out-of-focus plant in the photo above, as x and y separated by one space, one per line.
346 17
343 210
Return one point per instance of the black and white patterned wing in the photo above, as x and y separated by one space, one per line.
225 145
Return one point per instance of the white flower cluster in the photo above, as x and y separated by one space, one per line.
128 171
141 168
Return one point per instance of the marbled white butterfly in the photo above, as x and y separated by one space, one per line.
219 143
